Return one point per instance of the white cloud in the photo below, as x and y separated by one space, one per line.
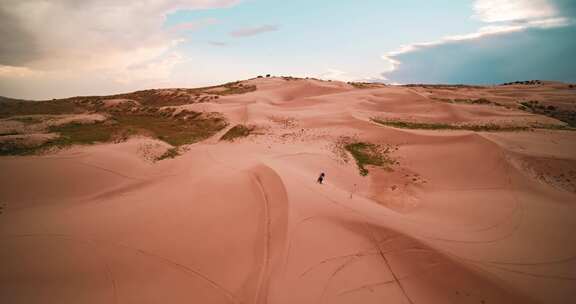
17 72
158 70
94 33
335 74
61 38
513 10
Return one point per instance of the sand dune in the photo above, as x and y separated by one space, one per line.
462 217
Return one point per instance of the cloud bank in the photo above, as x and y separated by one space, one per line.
116 41
523 39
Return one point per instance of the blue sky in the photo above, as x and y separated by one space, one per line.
315 37
64 48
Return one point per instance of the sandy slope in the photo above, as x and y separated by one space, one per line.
465 218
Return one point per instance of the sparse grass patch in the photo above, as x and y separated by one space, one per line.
477 101
290 78
441 99
444 126
82 134
18 108
176 131
70 134
553 127
28 119
14 148
564 115
170 153
233 88
238 131
367 154
366 85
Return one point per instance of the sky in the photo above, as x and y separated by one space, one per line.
61 48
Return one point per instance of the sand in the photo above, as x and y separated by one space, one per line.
465 217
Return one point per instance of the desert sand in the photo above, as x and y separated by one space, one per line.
461 217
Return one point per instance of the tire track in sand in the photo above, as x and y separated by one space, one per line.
186 269
383 255
263 278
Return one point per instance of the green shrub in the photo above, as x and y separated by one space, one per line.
368 154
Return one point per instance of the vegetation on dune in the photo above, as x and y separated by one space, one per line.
534 106
477 101
70 134
82 134
144 112
15 148
466 127
444 126
552 127
186 127
234 88
176 131
171 97
20 107
366 85
28 119
368 154
151 98
238 131
170 153
290 78
5 133
527 82
444 86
